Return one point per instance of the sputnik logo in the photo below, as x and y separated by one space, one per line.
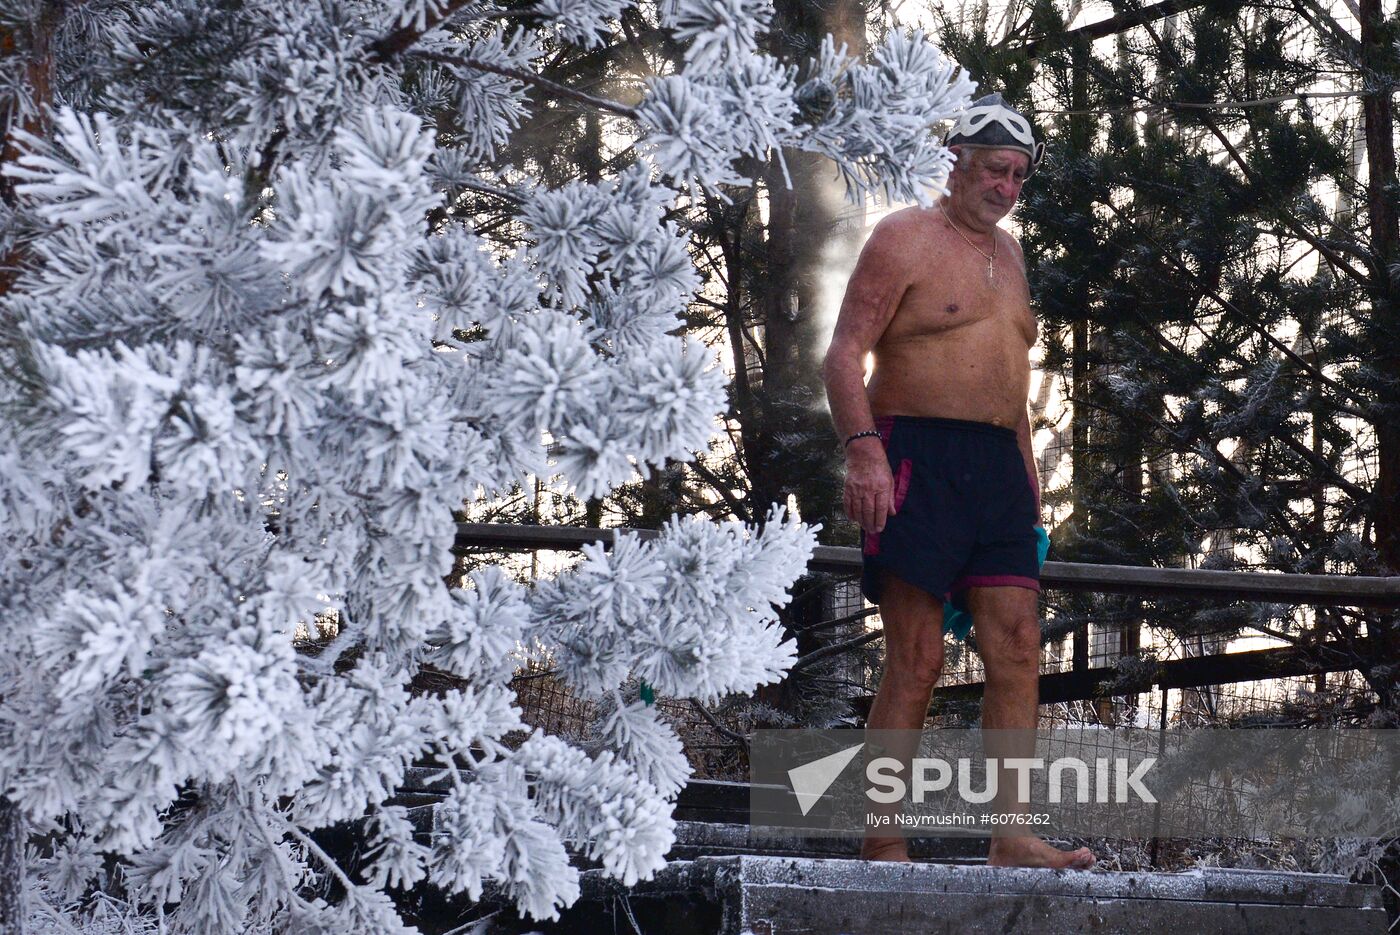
811 780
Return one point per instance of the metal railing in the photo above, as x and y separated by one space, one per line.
1317 590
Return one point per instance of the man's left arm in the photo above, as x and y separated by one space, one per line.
1023 428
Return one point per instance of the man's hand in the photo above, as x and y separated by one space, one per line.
869 494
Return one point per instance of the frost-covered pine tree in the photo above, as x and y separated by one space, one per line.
252 360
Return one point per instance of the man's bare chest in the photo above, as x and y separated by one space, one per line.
957 294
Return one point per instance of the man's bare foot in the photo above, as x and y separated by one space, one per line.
896 849
1033 852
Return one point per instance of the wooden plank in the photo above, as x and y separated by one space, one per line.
1282 662
1195 583
714 839
1192 583
512 537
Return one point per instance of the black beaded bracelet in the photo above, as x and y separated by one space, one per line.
868 433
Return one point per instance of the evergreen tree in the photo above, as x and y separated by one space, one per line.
1212 245
255 353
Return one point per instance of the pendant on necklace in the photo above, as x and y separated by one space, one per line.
989 270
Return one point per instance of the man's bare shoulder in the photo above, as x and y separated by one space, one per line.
915 219
906 232
1012 241
1009 238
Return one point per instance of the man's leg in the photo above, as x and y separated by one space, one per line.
1007 625
913 621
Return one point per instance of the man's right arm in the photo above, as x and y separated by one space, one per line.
882 274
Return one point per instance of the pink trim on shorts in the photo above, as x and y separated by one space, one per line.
901 482
885 426
995 581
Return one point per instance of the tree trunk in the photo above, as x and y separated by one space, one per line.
37 73
790 445
1081 463
11 869
1379 117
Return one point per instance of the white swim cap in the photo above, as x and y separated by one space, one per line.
990 124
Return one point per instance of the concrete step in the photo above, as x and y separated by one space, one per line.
768 895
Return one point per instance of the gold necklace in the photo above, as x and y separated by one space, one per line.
989 257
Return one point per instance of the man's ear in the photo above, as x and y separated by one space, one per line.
960 153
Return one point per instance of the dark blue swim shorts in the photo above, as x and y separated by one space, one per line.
966 510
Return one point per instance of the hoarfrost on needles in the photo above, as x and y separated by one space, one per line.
237 397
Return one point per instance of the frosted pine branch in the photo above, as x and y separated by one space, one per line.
255 364
528 77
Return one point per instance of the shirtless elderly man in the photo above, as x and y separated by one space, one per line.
939 469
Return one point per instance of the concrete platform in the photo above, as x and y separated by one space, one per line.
769 895
726 877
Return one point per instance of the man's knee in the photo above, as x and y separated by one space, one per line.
915 671
913 637
1010 646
